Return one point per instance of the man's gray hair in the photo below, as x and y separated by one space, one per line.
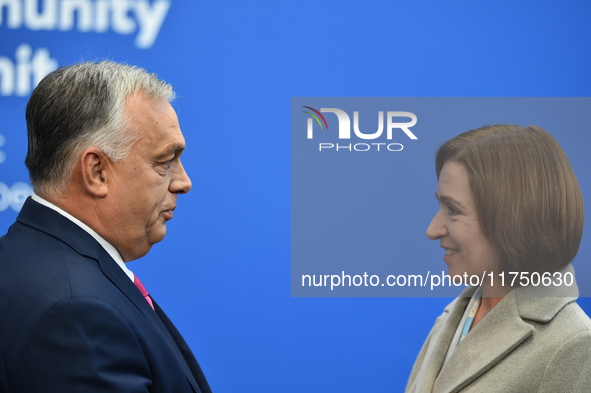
81 106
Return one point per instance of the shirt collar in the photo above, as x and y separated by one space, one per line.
109 248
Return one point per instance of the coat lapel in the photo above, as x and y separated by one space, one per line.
499 333
433 353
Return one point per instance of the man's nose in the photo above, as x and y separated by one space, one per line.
181 183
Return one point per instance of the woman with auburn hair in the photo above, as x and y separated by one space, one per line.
510 204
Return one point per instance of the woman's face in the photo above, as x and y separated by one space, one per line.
456 225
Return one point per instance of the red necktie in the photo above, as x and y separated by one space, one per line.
139 286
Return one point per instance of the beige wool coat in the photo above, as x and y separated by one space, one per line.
532 341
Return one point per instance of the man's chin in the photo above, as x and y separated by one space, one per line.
157 235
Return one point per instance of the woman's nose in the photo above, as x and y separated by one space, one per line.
437 229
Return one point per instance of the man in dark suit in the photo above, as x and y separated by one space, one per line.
104 161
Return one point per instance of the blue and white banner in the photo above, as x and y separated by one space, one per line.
224 272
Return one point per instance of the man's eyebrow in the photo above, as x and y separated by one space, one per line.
448 199
176 148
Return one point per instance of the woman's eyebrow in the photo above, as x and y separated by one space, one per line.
448 199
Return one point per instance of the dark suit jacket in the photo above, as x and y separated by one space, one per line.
72 321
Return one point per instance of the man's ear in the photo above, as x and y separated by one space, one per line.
95 169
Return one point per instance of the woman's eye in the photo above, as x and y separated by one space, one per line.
452 211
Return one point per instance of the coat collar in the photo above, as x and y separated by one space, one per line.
554 298
46 220
54 224
503 329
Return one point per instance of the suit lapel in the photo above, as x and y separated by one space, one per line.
495 337
187 354
114 273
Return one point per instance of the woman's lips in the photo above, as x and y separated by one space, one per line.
449 253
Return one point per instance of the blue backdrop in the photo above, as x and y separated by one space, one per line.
235 67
